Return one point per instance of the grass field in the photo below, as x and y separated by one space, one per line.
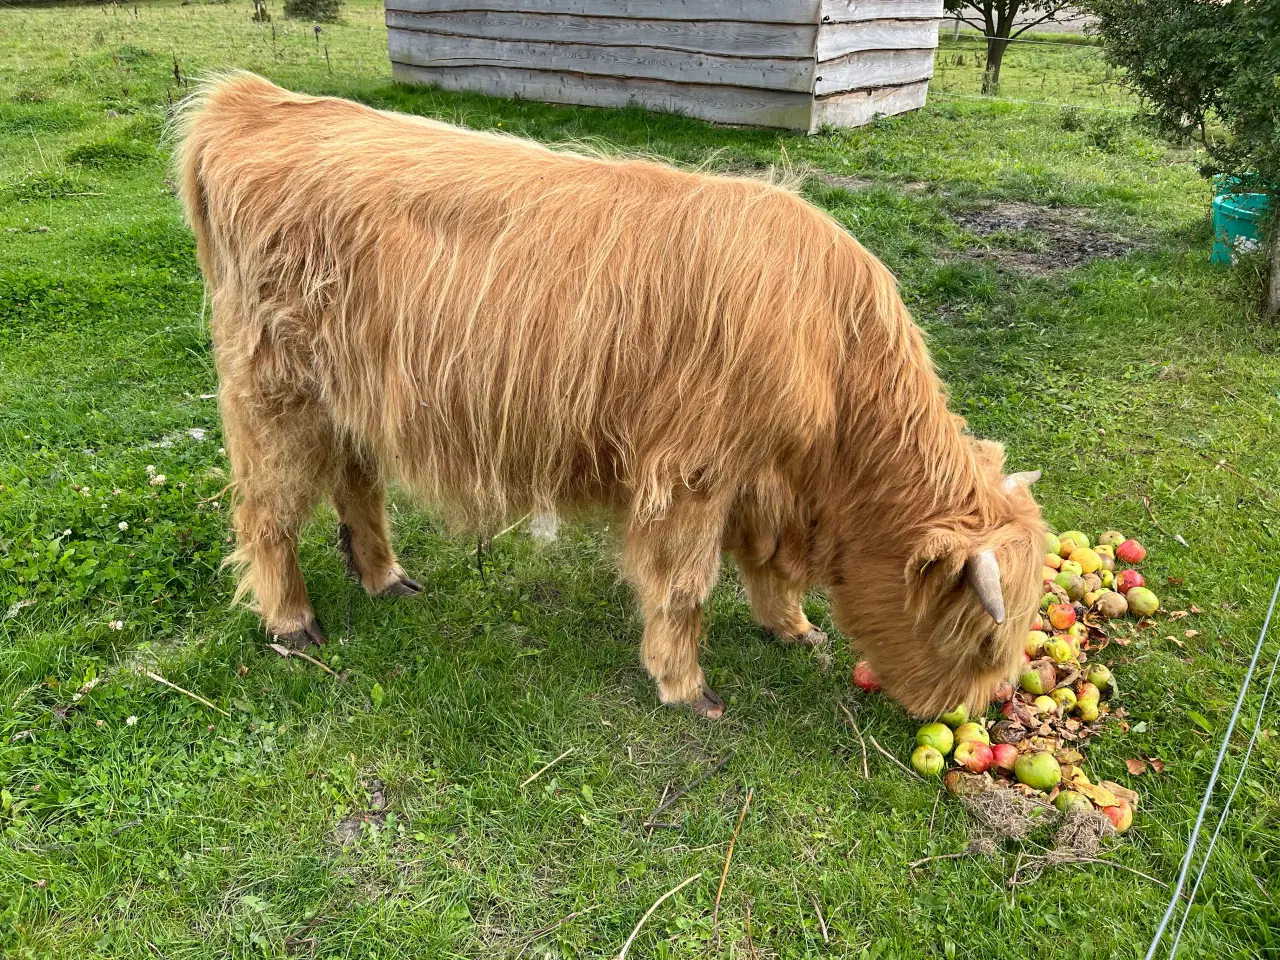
383 814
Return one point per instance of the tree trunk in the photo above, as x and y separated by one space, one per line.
996 46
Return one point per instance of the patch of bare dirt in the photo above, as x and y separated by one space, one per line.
864 183
1057 238
348 830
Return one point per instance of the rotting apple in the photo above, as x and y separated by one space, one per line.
1038 677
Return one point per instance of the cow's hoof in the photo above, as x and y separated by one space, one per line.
308 636
707 705
813 637
401 586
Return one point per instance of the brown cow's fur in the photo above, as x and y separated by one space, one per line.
503 327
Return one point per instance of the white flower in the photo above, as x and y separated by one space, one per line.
102 723
66 533
222 451
116 492
116 625
216 505
130 721
122 526
151 469
157 480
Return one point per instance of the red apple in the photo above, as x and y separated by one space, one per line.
865 677
1126 580
1062 615
1131 551
1004 756
1121 815
974 756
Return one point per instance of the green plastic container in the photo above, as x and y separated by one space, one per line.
1238 220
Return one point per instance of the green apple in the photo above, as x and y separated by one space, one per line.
936 735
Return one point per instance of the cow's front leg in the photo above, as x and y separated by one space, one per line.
673 563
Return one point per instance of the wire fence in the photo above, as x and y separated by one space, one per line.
1034 73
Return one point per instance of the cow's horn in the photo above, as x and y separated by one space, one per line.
1024 479
983 573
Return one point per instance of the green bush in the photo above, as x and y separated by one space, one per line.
1207 71
321 11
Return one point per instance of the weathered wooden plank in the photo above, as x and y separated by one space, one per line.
837 39
872 68
651 63
728 37
746 11
846 11
862 106
765 108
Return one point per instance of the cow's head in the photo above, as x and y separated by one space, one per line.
943 615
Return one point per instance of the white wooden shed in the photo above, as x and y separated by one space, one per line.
798 64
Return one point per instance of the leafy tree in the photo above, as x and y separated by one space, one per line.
321 11
1208 70
997 20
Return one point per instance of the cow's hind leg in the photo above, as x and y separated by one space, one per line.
280 454
776 603
359 495
673 563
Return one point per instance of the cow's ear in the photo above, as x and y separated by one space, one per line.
940 553
990 455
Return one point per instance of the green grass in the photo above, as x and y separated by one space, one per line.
185 833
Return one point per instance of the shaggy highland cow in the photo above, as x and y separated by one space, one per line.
503 327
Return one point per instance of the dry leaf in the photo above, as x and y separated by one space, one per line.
1098 794
1146 624
1123 793
1195 609
1177 614
1156 764
1123 641
1124 727
1191 633
1135 766
1174 581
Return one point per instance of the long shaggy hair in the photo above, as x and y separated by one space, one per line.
502 327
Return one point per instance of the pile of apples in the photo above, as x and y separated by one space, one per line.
1033 745
1078 578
